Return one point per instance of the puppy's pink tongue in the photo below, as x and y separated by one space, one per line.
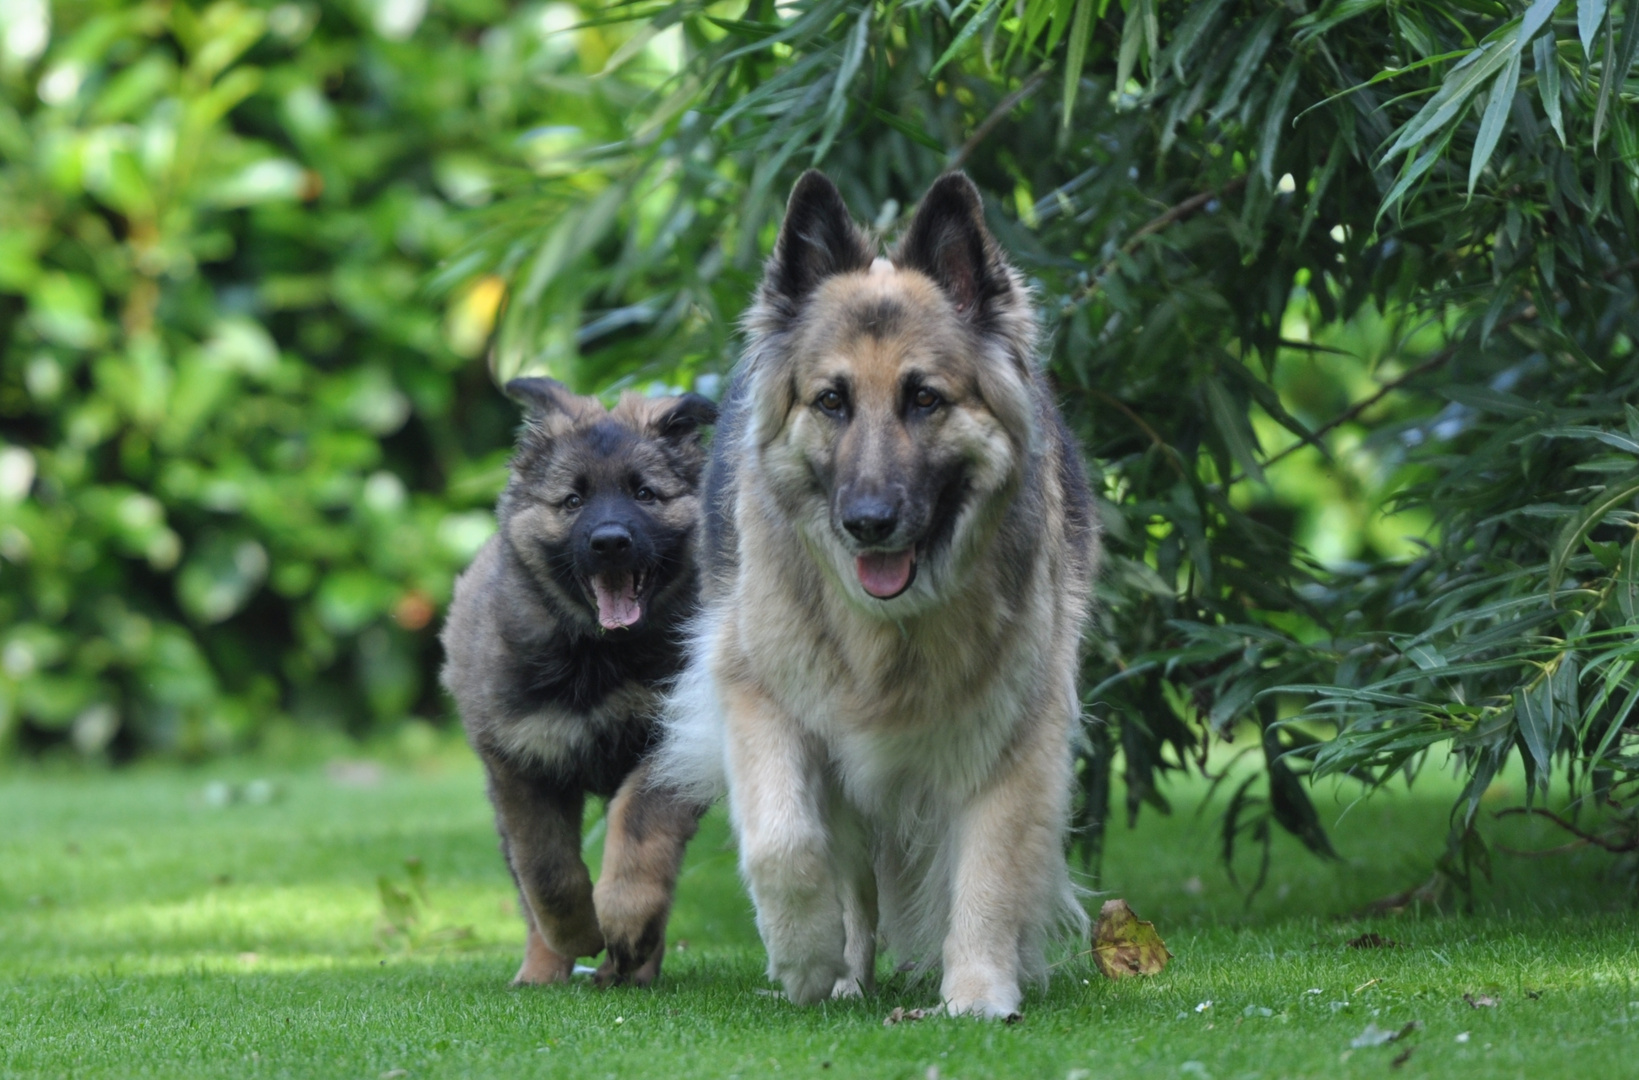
617 600
885 574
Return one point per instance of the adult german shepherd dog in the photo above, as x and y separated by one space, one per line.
898 553
560 638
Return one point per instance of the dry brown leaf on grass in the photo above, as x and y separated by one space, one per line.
1124 944
905 1016
1372 940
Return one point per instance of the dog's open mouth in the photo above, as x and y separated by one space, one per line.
619 596
886 574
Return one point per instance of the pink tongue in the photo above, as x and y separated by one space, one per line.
885 574
617 600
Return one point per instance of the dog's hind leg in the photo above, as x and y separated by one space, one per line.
642 851
777 802
540 827
856 884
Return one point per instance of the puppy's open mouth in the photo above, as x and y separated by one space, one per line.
619 596
886 574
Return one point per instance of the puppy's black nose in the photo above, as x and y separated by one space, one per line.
611 541
870 520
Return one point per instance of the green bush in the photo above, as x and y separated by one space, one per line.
1298 263
248 437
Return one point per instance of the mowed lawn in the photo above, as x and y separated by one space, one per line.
229 921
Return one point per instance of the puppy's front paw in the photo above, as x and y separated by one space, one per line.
627 965
986 998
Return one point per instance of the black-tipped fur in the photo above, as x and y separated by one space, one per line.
558 700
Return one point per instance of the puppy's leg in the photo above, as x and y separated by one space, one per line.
776 802
1008 844
856 882
540 835
647 829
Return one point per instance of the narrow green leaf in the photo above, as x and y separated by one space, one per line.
1494 119
1589 14
1132 40
1535 16
1546 55
836 108
1233 428
1412 173
1607 86
1275 118
1246 63
1080 32
1448 103
1063 16
1201 18
908 129
1570 537
981 18
1618 62
1536 715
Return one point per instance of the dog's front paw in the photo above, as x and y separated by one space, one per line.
848 987
626 967
983 997
810 979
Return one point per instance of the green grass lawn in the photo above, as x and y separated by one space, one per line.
149 929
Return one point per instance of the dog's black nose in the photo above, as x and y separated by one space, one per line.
611 540
870 520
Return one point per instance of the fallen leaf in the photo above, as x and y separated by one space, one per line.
1376 1036
1124 944
1484 1001
1372 940
905 1016
1367 984
1403 1056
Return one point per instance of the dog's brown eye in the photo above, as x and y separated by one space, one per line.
645 494
925 399
572 502
831 401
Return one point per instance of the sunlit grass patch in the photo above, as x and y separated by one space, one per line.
148 931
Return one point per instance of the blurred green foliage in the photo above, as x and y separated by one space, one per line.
245 442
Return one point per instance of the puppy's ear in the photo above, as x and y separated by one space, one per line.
949 243
684 418
818 240
550 407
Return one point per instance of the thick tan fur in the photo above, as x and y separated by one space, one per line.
898 765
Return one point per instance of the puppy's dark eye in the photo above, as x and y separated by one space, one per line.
645 494
926 400
572 502
831 401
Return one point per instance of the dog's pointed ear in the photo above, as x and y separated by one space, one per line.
684 417
817 240
949 243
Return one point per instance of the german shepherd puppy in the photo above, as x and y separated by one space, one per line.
559 639
899 550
